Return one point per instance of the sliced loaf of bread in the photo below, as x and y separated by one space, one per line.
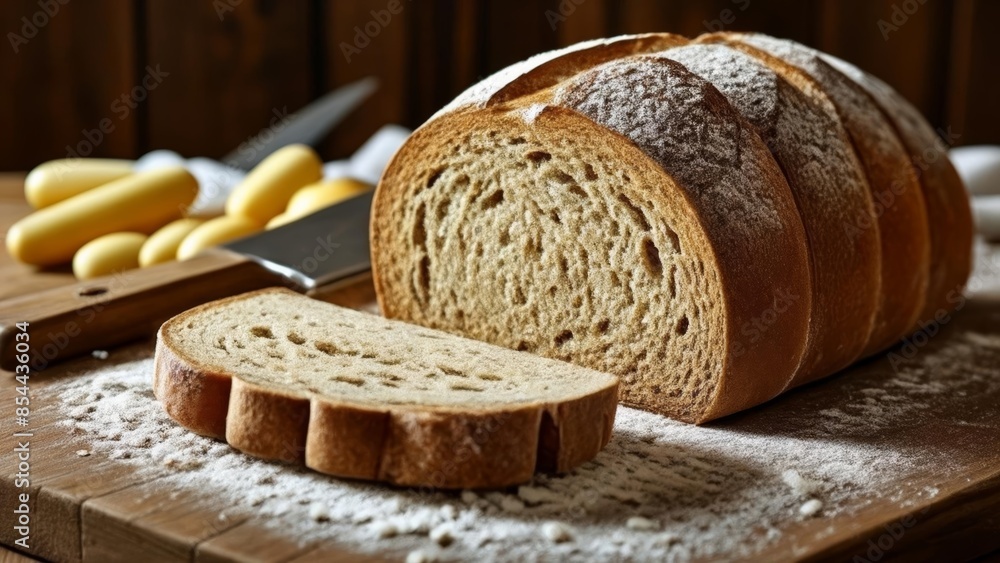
281 376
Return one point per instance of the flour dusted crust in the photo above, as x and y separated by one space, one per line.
948 210
365 413
807 139
899 201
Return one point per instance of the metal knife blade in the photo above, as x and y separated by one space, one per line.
308 125
318 249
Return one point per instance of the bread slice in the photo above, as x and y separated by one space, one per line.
626 219
808 141
948 210
899 202
281 376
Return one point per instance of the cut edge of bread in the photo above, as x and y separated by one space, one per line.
434 446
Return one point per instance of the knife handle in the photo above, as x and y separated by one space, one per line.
68 321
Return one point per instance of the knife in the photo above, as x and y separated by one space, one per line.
308 125
315 255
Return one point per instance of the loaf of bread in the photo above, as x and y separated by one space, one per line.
713 221
281 376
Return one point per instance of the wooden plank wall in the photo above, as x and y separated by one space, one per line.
230 67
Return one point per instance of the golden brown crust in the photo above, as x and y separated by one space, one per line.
948 210
899 202
409 445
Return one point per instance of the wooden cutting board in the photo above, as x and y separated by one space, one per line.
91 509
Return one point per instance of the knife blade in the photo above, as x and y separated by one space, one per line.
308 125
312 255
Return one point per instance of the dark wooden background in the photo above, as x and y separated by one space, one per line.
233 63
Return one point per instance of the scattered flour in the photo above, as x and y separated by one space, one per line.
662 490
811 508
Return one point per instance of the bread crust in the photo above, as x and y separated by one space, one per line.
898 197
802 131
412 445
948 211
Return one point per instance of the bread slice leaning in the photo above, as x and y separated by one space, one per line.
281 376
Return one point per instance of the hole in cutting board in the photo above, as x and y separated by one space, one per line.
91 291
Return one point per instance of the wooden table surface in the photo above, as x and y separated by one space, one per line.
91 509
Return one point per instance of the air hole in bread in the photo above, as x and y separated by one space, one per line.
518 141
355 381
561 177
589 173
388 384
275 354
682 325
390 362
675 242
563 265
519 297
419 229
295 338
563 337
533 248
554 215
523 346
651 257
434 177
577 191
220 343
538 156
261 332
489 377
603 325
424 277
633 209
441 211
577 302
494 199
463 387
328 348
447 370
504 238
